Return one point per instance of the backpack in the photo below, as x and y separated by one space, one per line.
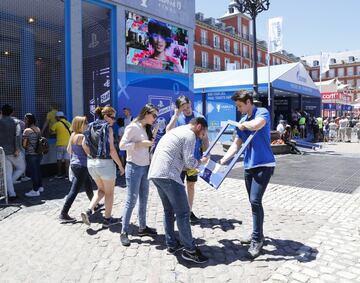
42 145
96 137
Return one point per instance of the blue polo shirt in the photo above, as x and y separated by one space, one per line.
184 120
258 152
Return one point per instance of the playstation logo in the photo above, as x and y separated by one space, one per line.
94 42
144 3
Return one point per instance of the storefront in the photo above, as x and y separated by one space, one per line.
290 88
78 54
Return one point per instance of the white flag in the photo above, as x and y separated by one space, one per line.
275 35
324 62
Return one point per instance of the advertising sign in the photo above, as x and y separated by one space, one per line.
157 45
212 172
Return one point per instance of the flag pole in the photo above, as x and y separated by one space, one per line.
322 114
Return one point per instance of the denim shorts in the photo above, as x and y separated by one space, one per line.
102 169
61 153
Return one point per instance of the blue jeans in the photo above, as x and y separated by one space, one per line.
175 202
256 181
33 164
137 186
81 179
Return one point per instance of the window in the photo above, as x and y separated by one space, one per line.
340 72
227 61
315 74
217 63
226 45
246 51
246 66
331 73
216 41
315 63
204 59
236 48
204 37
259 56
358 70
350 71
358 82
237 65
350 82
332 61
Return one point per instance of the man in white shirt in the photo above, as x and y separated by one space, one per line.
173 154
343 123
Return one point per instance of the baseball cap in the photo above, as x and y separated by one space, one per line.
60 114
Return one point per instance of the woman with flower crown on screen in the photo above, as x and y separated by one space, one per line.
160 40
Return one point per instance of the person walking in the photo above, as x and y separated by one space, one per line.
99 146
9 141
137 141
78 165
31 136
259 161
183 114
174 152
62 130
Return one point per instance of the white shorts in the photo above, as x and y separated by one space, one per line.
102 169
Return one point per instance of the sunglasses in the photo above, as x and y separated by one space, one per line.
111 117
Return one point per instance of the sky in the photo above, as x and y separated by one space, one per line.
309 26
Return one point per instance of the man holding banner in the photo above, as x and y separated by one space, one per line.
259 161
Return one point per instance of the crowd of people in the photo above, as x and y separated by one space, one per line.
319 129
93 152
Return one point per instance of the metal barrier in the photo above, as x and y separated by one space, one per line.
3 186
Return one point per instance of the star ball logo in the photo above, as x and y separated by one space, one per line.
144 3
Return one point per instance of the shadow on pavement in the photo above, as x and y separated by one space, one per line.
216 223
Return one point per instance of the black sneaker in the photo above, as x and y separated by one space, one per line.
85 217
193 218
195 256
124 239
98 207
173 250
110 221
147 232
64 217
255 249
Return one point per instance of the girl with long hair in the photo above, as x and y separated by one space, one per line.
33 159
137 141
78 165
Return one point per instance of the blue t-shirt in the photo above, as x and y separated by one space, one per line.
258 152
184 120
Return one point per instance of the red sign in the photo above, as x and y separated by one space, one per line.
330 95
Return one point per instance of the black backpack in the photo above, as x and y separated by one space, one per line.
42 145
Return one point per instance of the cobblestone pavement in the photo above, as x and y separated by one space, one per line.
311 236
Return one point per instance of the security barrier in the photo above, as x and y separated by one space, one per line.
3 187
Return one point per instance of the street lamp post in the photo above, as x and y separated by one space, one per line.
253 8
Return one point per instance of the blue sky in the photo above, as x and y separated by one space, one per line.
309 26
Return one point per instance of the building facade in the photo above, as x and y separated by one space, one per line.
345 66
226 44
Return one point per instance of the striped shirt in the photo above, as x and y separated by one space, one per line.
174 153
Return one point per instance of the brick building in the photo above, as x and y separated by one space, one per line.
343 65
226 44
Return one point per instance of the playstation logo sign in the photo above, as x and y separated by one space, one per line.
144 3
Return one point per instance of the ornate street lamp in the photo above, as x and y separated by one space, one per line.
253 8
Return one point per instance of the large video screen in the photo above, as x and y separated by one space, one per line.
157 45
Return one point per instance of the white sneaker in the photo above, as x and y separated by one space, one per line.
41 189
25 179
33 193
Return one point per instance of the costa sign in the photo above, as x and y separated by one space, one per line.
330 95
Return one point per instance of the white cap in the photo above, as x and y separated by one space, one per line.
60 114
